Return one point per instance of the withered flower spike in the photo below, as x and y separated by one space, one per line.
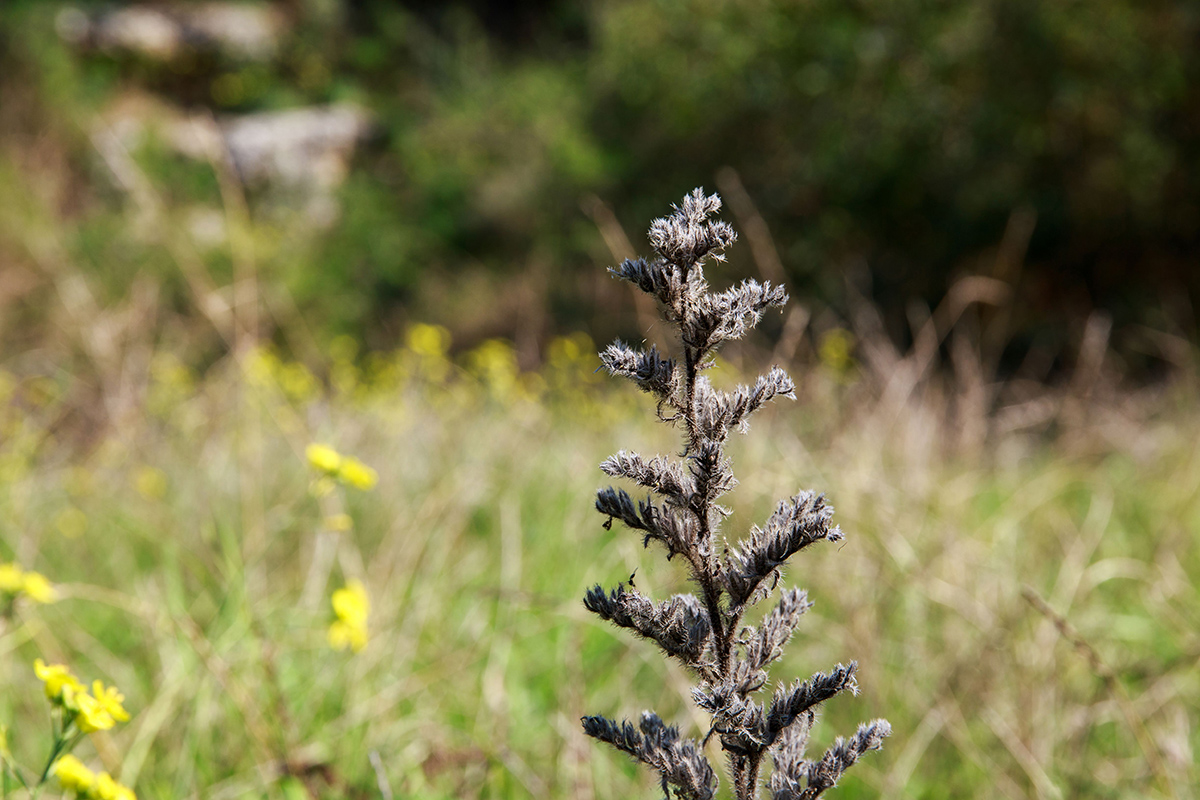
679 625
798 779
665 476
730 315
655 278
705 632
671 527
678 761
796 524
645 368
765 644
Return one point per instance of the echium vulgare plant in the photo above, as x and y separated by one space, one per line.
708 634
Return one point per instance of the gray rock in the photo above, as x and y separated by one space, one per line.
242 30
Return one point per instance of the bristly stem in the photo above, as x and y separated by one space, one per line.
705 634
703 568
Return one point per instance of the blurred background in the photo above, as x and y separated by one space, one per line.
229 230
470 164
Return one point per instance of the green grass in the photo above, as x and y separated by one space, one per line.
480 540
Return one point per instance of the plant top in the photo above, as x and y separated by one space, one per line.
708 633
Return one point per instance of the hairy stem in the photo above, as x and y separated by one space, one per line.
703 565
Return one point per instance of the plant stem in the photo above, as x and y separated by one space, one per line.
55 752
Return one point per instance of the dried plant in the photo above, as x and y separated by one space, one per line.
708 634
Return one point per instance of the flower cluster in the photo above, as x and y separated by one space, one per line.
98 711
351 605
334 466
75 777
76 714
15 582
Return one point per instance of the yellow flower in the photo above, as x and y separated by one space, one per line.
259 367
342 636
297 382
38 588
339 522
58 679
92 715
110 700
431 341
836 350
108 789
151 483
358 474
323 457
352 607
73 775
11 578
351 603
495 363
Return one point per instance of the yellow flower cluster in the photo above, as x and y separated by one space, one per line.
98 711
494 363
836 351
15 581
424 367
351 606
346 469
75 777
339 523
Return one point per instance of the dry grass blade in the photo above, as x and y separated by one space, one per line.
1136 724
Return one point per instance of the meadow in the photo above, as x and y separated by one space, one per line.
324 548
1020 589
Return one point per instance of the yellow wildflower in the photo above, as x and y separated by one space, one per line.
431 341
323 457
151 483
108 789
11 578
73 775
352 607
358 474
58 679
339 522
836 350
495 363
259 367
93 715
297 382
110 699
351 604
342 636
38 588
